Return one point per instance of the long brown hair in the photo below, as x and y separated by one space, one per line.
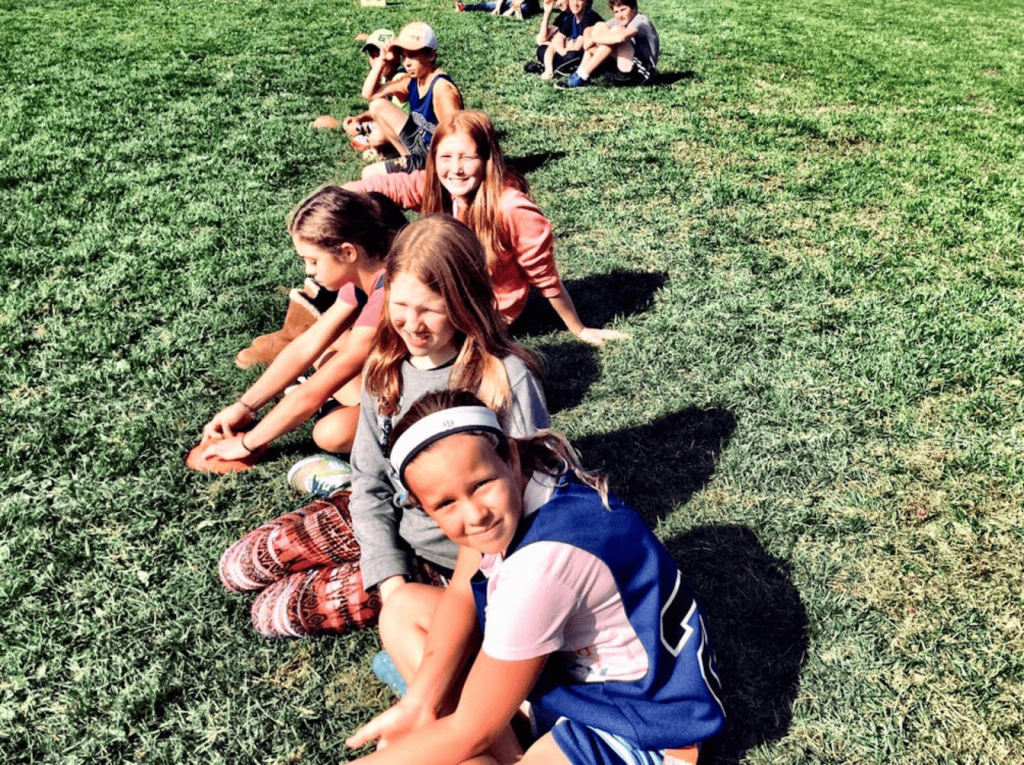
332 216
546 451
445 256
482 214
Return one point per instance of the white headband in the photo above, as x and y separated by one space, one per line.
438 425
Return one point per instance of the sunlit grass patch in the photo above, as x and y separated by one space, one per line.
812 235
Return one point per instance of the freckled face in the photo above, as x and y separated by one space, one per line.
459 166
322 265
420 317
471 494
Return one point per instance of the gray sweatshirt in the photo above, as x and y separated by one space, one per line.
385 523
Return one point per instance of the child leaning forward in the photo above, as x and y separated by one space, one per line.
603 639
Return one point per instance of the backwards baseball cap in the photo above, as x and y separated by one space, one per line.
438 425
416 36
377 38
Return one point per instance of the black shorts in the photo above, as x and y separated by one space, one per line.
415 138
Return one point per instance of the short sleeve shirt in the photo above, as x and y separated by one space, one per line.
370 306
571 29
646 45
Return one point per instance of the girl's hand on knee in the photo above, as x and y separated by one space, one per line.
599 337
401 719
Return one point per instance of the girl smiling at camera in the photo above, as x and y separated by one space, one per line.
603 639
466 177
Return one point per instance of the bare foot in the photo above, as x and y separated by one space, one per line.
324 121
547 75
362 36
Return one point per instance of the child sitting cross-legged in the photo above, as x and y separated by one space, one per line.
602 637
561 52
627 46
326 567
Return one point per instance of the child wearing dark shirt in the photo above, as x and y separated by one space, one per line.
629 40
562 52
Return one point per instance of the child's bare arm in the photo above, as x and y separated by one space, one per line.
603 34
398 88
452 638
493 692
566 311
576 43
299 405
546 31
373 82
447 101
294 360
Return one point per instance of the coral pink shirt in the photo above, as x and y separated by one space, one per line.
530 264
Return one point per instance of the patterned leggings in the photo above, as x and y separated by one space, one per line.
306 563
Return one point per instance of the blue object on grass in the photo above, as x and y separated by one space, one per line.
388 674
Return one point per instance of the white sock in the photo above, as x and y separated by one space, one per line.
583 76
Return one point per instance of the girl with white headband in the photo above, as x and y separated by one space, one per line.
583 612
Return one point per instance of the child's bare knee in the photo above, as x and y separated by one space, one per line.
332 438
397 617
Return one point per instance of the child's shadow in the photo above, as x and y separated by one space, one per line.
759 627
598 300
530 162
569 371
658 466
671 78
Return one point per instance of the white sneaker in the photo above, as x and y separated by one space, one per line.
320 475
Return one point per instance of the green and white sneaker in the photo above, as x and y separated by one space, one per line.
320 475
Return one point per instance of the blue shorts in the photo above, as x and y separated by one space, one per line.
590 746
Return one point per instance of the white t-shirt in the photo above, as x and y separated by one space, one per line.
554 598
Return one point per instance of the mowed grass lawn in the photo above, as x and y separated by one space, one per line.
812 232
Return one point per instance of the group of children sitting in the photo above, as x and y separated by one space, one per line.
510 587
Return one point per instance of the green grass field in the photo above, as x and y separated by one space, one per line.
813 234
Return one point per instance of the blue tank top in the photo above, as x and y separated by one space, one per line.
678 702
421 108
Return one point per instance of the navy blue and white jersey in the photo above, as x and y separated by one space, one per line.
654 682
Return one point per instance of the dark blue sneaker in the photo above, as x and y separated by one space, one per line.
574 81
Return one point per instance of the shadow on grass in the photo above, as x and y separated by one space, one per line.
598 300
569 371
531 162
759 627
671 78
658 466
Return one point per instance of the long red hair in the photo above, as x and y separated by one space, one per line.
482 215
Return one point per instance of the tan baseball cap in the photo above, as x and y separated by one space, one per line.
416 36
